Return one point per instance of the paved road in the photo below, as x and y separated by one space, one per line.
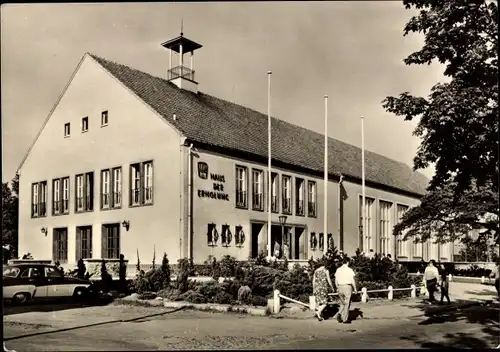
474 327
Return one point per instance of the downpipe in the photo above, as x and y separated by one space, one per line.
339 203
190 201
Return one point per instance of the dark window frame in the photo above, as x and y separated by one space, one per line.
85 124
275 199
84 235
104 118
242 194
140 194
62 204
113 195
60 244
67 129
109 236
312 207
257 196
300 206
39 205
286 201
87 200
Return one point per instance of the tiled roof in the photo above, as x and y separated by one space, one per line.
206 119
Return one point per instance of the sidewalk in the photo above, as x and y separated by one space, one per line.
461 295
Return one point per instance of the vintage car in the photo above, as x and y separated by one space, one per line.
23 282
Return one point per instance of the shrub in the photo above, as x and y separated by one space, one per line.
193 297
261 259
259 301
185 270
223 298
244 294
261 280
106 278
227 266
295 284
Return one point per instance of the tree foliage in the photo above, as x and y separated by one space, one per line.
458 121
10 208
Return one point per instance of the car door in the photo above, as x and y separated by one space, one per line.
56 285
35 276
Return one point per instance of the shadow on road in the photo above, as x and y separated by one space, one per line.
54 305
486 315
331 310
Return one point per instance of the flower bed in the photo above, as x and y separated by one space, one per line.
254 282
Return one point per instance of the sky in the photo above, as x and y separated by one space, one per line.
351 51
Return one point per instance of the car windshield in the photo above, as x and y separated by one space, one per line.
10 272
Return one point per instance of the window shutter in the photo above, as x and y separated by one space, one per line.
78 246
116 235
54 245
111 187
141 183
85 185
91 193
65 245
104 242
130 185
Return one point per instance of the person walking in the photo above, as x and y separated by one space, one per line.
445 288
346 286
431 275
321 281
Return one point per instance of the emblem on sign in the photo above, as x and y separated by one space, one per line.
203 170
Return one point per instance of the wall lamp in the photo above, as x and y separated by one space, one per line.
126 224
44 231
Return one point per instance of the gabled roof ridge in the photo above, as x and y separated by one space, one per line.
221 123
305 129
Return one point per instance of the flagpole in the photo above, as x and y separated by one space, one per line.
269 198
325 197
363 211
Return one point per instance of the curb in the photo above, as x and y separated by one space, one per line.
211 307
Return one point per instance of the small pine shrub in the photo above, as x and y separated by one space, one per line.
227 266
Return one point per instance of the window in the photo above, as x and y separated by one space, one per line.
241 187
444 251
257 190
39 199
111 241
104 118
385 227
418 248
85 192
11 272
67 130
85 124
60 245
117 187
368 239
83 242
31 273
402 247
287 194
433 249
52 272
274 193
141 183
311 198
60 196
111 188
300 192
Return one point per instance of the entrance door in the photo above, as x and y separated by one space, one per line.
299 244
255 231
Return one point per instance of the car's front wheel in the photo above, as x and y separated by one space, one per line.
79 293
21 298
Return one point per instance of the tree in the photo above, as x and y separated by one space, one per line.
458 121
10 209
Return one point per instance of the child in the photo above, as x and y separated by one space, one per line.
445 285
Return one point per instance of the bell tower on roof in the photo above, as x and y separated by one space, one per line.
181 75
